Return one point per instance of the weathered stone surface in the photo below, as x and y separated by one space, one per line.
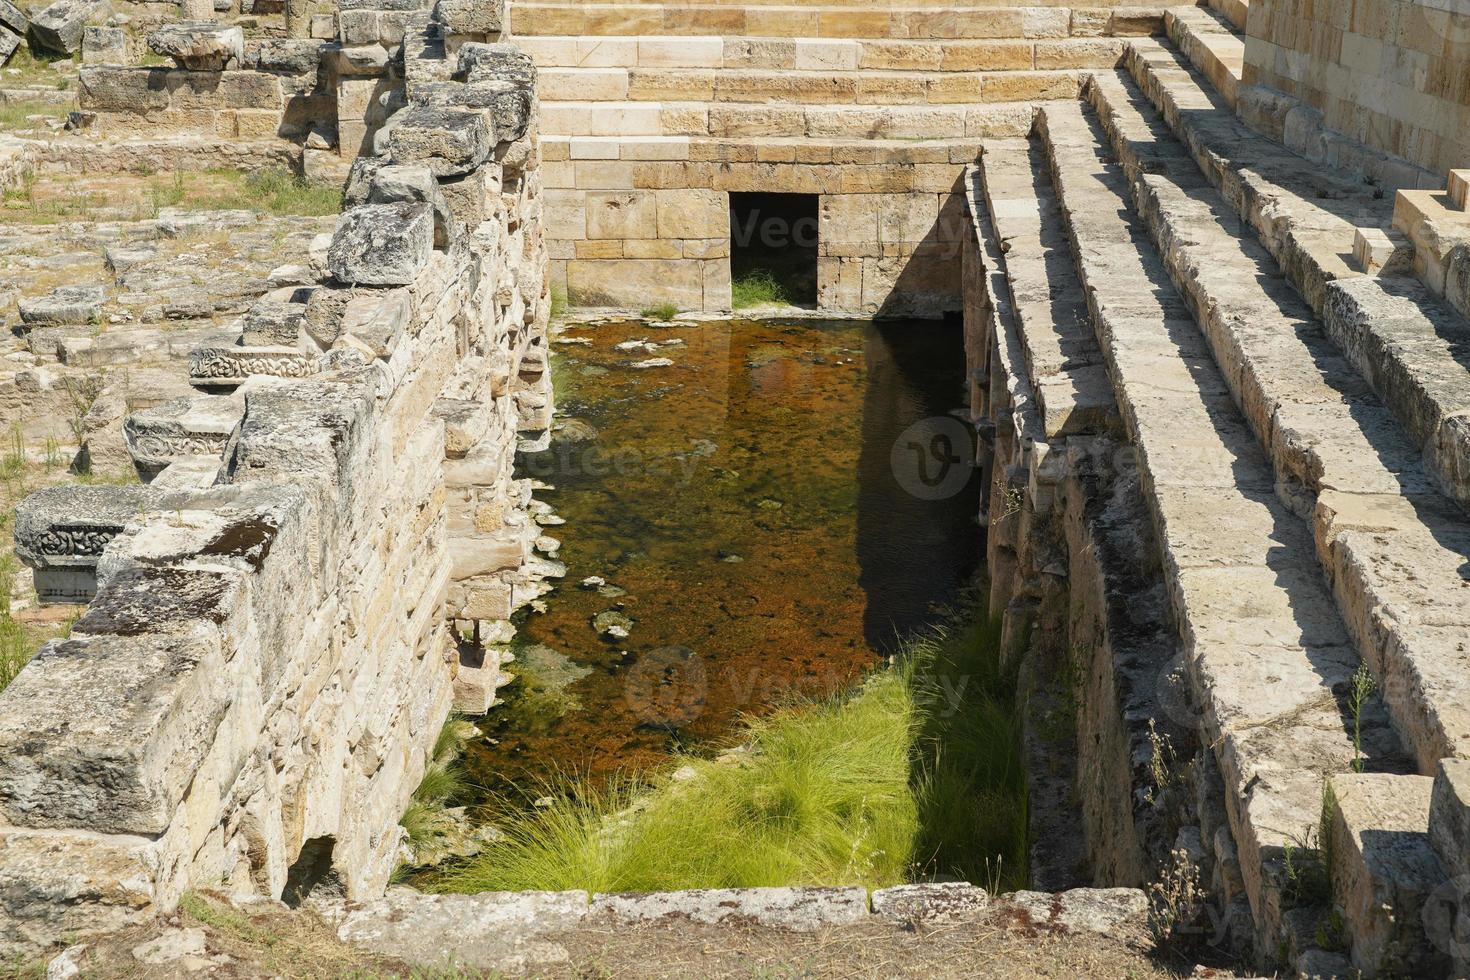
1449 816
105 46
290 56
803 909
200 46
229 367
55 884
365 59
58 28
276 318
1384 870
472 17
181 428
1101 910
61 531
402 183
450 142
497 931
382 244
13 19
64 305
941 901
508 102
9 43
497 62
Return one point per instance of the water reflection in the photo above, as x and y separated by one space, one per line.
753 509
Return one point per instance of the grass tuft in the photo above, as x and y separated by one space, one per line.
914 773
759 287
445 782
280 192
662 311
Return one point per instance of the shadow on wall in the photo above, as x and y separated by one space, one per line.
917 541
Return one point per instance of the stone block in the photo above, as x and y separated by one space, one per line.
58 28
471 17
9 43
184 427
622 214
1459 189
693 214
1384 870
200 47
382 244
396 183
1449 816
630 283
105 46
798 909
497 62
491 931
450 142
64 305
13 19
940 901
362 59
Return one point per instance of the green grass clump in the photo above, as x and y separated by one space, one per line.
444 783
912 774
15 115
758 287
662 311
16 644
281 192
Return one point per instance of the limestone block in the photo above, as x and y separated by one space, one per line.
64 305
61 533
799 909
827 55
469 197
629 283
1384 869
199 47
495 931
276 318
104 46
13 19
290 56
1449 816
58 28
622 214
230 366
693 214
184 427
907 218
940 901
362 59
508 103
497 62
450 142
471 17
382 244
1459 189
358 27
1383 251
71 884
401 183
9 43
377 320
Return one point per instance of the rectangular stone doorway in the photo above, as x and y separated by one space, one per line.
773 249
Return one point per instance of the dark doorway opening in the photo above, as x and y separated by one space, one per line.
773 249
313 874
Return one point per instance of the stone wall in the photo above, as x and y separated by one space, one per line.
1393 75
269 652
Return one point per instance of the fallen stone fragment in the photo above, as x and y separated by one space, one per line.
376 183
503 62
382 244
509 103
13 19
652 362
9 42
64 305
199 46
59 27
105 46
1099 910
449 141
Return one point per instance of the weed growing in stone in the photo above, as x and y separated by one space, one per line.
663 311
1362 689
430 831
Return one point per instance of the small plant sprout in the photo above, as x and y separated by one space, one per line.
1363 686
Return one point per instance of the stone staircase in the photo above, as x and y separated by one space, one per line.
650 102
1297 424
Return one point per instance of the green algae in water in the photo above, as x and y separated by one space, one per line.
750 509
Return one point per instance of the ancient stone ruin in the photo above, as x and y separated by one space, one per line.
1213 267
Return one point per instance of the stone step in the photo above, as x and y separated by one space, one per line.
830 87
834 21
783 149
1062 361
1266 652
1403 340
733 119
1394 549
850 54
1385 874
1235 11
1459 188
1206 39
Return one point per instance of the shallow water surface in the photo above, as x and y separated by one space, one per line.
764 516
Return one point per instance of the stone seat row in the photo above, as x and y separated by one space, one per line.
602 20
